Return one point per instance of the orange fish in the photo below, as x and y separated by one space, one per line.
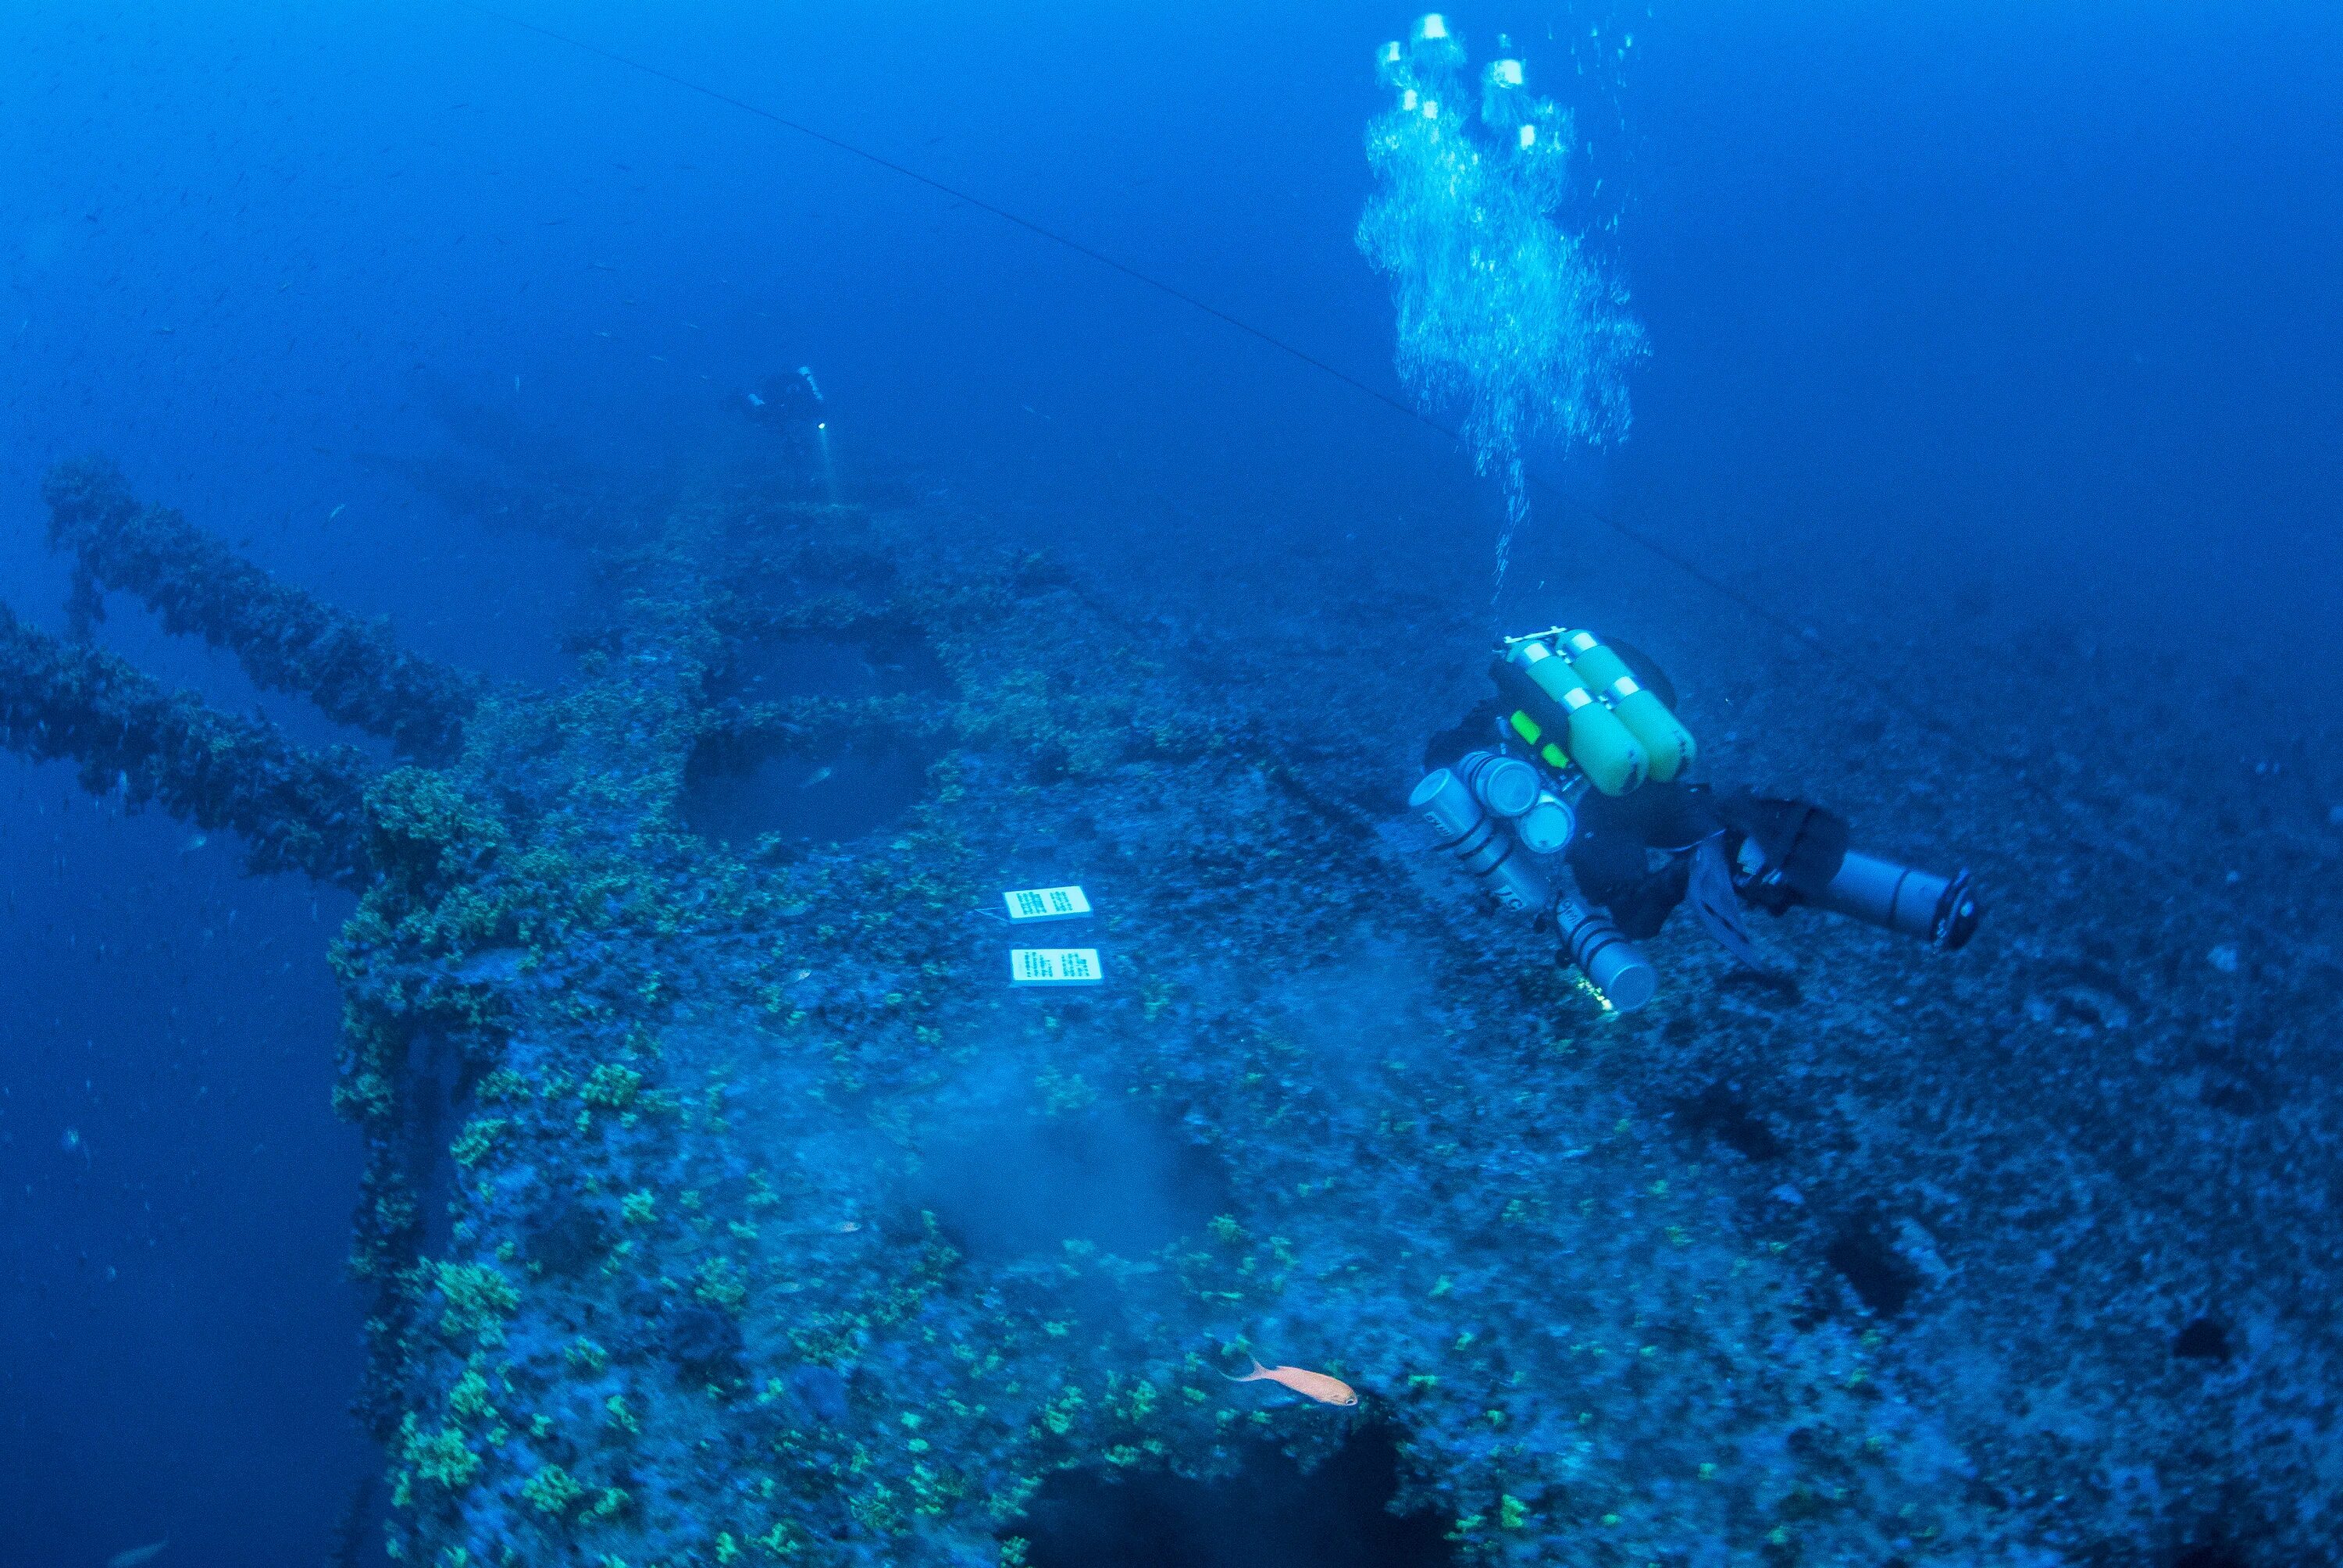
1314 1385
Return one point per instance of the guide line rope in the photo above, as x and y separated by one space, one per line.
1149 280
1803 636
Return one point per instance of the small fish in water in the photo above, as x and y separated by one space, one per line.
817 776
1314 1385
136 1555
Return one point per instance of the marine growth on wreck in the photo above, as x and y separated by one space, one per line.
725 1201
730 1199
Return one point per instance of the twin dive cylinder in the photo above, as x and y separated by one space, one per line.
1666 742
1477 836
1490 810
1614 730
1575 708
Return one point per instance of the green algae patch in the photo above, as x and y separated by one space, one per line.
476 1299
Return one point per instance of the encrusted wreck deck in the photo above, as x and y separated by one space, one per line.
725 1201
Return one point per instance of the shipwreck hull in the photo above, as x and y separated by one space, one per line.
764 1219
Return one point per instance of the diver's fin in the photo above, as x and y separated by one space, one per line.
1711 898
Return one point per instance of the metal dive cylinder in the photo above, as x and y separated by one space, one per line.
1548 826
1665 741
1611 963
1603 749
1479 840
1942 911
1505 785
1510 788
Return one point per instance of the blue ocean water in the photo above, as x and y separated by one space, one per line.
1975 331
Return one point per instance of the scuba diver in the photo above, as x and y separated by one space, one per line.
1574 773
791 407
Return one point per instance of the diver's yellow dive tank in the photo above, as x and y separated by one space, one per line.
1666 742
1605 751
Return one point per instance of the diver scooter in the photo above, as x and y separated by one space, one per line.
1559 795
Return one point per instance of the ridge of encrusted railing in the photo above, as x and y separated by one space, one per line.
286 639
296 809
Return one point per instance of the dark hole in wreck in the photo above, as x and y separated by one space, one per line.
1872 1267
437 1089
737 795
1270 1514
738 792
2204 1340
892 662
